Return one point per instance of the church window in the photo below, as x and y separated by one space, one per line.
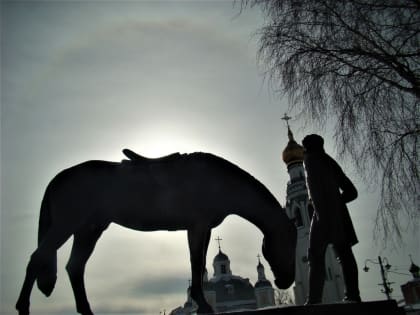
230 289
223 269
298 217
301 175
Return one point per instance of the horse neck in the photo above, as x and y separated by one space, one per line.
263 211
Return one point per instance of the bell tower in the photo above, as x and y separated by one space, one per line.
221 264
264 292
300 210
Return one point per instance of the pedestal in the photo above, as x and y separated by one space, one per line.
366 308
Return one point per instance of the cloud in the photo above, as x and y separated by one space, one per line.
164 285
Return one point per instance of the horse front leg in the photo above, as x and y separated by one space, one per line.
198 239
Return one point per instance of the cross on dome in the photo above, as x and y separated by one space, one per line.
260 265
293 151
286 119
218 239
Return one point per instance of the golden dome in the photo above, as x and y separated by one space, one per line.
293 151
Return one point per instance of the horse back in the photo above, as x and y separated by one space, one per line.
201 174
151 195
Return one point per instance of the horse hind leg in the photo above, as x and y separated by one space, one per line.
83 245
22 304
41 260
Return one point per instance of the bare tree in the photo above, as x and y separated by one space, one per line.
356 63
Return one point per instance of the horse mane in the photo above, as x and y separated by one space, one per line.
234 169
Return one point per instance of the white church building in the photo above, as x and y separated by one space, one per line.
227 292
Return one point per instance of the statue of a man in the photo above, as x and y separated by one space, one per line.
330 189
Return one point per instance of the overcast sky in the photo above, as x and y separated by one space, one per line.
83 80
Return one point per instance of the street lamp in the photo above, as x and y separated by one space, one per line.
387 290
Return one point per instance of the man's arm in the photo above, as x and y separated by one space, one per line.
349 191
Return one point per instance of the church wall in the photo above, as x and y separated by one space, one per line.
265 297
210 297
301 278
334 282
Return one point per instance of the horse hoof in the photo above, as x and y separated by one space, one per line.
22 309
85 312
23 312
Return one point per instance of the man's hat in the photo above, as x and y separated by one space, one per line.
313 142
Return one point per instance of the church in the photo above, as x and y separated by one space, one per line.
227 292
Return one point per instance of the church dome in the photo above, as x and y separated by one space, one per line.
293 151
262 280
221 265
221 256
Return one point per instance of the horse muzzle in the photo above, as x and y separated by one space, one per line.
285 281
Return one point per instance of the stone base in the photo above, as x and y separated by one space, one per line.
388 307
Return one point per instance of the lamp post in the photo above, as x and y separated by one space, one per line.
387 290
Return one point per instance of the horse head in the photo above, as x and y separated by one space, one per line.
279 249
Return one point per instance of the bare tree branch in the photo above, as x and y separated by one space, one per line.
356 62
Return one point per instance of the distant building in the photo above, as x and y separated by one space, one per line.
411 291
228 292
264 292
299 209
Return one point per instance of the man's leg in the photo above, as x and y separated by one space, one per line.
350 273
316 256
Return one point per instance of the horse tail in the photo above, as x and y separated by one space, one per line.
47 275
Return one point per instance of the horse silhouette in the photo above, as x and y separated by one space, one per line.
193 192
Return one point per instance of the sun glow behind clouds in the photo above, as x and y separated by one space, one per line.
163 143
166 136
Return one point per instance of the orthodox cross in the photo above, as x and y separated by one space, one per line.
218 239
286 119
259 256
